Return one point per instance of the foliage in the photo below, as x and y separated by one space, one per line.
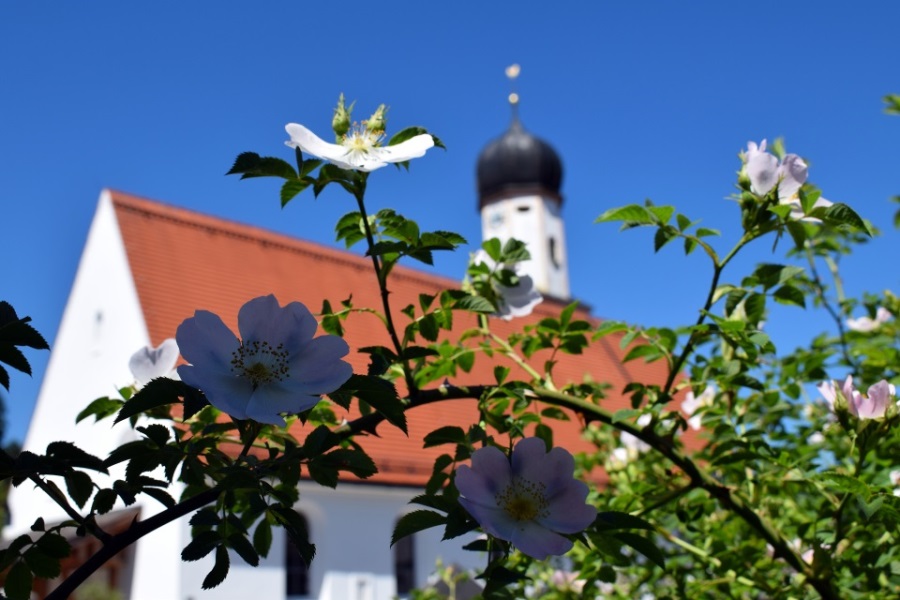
778 495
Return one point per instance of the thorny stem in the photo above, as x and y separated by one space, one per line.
119 542
727 497
359 194
718 267
820 292
53 492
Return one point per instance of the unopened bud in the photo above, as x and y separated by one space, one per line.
377 121
340 123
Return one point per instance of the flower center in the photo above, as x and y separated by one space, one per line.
360 139
260 362
524 500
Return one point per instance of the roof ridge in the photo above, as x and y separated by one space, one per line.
267 237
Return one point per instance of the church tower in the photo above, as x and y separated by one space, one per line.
519 177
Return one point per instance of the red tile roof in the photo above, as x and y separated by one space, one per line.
182 261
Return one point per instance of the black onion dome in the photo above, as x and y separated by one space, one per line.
518 163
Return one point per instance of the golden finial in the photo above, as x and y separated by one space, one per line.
512 72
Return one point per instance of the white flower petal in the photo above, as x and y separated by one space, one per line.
414 147
762 170
149 363
308 142
793 173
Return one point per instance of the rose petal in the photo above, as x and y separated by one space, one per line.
149 363
539 542
205 341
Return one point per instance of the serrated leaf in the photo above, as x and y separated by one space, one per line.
614 520
80 487
104 501
788 294
416 521
845 484
203 543
647 352
632 215
449 434
219 571
41 565
242 546
54 545
841 215
381 395
14 358
262 538
100 409
291 188
18 582
642 545
251 164
159 392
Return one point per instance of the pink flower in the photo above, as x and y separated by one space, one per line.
865 324
528 499
766 172
277 368
873 406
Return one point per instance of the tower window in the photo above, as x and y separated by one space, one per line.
523 208
554 259
405 565
296 569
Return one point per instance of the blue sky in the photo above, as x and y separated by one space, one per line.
641 100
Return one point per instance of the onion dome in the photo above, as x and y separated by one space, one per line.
518 164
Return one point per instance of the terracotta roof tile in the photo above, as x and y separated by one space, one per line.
182 261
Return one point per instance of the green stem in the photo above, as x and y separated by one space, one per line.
718 267
382 285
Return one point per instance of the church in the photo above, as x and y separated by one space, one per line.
146 266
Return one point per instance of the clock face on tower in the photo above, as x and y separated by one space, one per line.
495 219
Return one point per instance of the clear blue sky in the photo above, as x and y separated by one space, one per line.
641 100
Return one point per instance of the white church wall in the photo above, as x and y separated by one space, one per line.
101 327
351 527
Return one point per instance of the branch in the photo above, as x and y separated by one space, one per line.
119 542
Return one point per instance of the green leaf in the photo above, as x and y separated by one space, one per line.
633 215
648 353
262 537
411 132
449 434
244 549
291 188
663 236
642 545
54 545
80 487
41 565
18 582
202 544
845 484
14 358
415 521
381 395
251 164
219 571
893 104
475 304
159 392
100 409
788 294
104 501
842 216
